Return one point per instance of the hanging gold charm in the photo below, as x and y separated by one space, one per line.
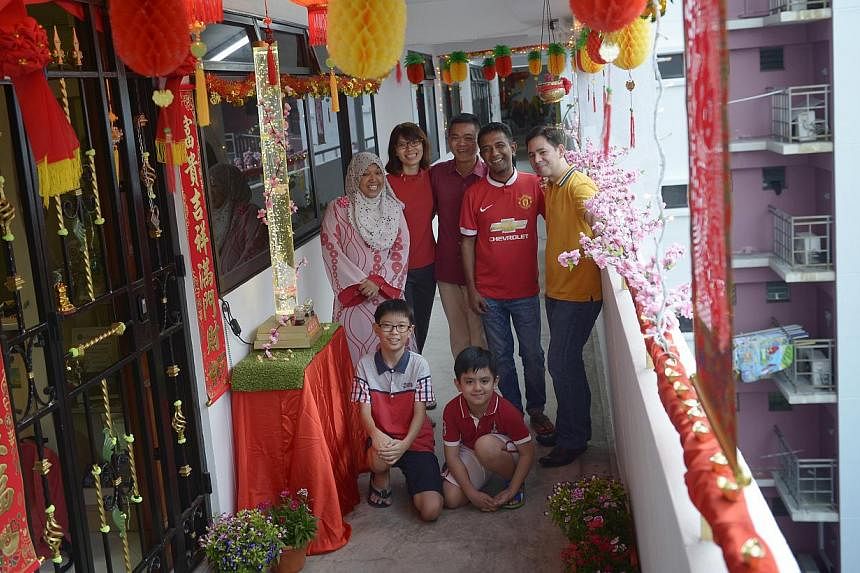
7 213
53 535
64 305
178 423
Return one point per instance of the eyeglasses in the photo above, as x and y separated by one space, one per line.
414 144
400 328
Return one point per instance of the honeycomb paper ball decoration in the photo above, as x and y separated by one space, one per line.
635 42
365 37
584 64
606 15
150 36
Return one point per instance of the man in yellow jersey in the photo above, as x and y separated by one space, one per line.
573 297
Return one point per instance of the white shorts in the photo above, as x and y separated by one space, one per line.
478 474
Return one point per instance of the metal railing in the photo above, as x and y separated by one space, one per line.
810 481
777 6
813 365
801 114
802 241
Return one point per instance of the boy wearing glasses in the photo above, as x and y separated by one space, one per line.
483 434
392 386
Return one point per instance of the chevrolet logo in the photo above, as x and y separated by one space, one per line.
508 225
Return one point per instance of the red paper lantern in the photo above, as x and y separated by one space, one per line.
592 46
415 68
606 15
150 36
317 20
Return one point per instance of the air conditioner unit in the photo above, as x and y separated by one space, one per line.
809 249
803 125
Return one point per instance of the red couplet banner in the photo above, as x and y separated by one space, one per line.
17 554
201 264
710 214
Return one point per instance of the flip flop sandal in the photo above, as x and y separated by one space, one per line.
518 500
383 496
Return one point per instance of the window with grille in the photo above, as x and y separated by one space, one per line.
770 59
778 291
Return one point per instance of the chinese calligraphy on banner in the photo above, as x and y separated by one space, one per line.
200 266
17 554
710 213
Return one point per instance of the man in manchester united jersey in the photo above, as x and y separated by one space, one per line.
498 221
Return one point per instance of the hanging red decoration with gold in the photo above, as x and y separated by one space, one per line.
150 36
504 66
606 15
24 54
414 68
317 20
489 69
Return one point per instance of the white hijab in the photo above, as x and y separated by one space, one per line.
377 220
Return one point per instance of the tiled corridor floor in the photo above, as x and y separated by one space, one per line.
522 540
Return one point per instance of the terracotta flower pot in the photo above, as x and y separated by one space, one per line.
291 561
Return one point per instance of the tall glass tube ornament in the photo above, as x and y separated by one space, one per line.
273 149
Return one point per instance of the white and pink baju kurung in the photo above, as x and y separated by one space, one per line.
349 260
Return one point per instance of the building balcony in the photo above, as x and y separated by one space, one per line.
800 123
783 13
806 485
801 249
810 379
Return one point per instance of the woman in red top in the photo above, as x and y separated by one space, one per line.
408 174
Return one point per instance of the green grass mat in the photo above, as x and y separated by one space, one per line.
285 371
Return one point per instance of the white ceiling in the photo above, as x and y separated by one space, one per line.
446 25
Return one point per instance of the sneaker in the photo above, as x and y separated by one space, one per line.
541 424
518 500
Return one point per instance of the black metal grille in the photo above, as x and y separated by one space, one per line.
770 59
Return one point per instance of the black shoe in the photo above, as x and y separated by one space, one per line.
560 456
546 440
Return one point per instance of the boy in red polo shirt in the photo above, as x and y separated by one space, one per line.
392 386
483 434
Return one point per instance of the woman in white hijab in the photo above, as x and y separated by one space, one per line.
365 246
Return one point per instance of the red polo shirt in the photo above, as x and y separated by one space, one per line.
448 190
417 196
503 216
460 426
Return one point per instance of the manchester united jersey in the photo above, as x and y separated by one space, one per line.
503 218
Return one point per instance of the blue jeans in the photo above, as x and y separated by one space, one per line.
525 314
570 324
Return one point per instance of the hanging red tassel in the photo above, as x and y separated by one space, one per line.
398 73
607 119
273 67
632 129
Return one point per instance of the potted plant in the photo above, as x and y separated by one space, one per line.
292 514
594 514
243 542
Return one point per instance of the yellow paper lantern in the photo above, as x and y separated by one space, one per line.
556 59
365 37
459 66
635 44
583 63
535 64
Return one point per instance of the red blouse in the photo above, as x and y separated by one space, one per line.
417 196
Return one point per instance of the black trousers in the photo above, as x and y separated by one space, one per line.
419 292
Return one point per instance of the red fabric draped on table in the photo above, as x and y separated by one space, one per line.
310 438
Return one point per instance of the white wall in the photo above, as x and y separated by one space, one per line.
650 457
846 118
394 104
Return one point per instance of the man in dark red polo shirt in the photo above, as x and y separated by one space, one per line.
498 221
449 180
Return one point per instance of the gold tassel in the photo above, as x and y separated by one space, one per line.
202 95
58 177
332 84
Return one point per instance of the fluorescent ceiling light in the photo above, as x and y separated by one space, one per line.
234 47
